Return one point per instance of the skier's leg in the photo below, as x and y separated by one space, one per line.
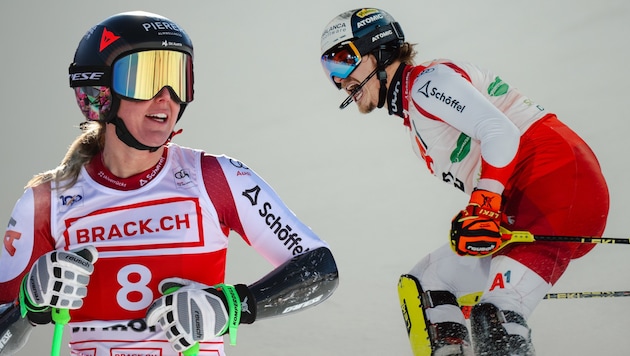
427 338
489 326
498 322
428 296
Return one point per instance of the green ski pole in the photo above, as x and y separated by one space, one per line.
61 317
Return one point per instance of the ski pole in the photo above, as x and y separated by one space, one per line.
526 236
466 302
192 351
471 299
510 237
580 295
61 317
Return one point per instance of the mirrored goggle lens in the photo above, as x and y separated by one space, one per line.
341 61
142 75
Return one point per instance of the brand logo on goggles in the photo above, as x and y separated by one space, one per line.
382 35
84 79
86 76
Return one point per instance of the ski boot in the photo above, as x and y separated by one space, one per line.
427 338
450 339
490 338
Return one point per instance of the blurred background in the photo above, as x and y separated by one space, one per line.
261 96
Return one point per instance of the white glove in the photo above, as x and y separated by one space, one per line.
58 279
191 311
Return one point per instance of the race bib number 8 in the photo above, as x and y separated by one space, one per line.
134 293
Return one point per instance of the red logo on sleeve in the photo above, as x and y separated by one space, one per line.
9 237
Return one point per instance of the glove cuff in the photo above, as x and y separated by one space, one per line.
248 304
34 313
240 305
486 199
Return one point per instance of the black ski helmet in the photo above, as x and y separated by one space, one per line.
370 30
91 71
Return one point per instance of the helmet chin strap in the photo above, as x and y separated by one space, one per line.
382 78
125 136
382 95
382 75
350 97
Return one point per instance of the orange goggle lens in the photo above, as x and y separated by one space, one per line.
341 61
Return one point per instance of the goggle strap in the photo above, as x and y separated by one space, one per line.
88 76
378 37
355 50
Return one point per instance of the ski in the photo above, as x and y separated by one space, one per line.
409 292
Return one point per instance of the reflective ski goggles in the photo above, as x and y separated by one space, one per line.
340 61
142 75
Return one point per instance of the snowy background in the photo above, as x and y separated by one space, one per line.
262 97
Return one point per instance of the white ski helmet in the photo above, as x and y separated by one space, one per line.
355 33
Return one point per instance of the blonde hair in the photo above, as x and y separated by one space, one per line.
407 53
81 151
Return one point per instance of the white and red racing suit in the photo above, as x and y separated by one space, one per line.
474 130
172 220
